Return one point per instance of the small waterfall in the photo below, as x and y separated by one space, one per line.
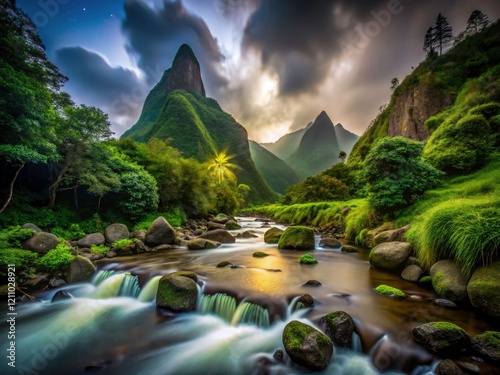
102 275
129 286
293 306
148 292
356 343
250 313
219 304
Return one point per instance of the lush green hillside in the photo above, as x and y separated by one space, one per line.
275 171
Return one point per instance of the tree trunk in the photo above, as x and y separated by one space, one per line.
11 187
55 185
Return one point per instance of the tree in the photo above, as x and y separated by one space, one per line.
317 188
477 22
443 32
342 156
394 83
395 174
429 42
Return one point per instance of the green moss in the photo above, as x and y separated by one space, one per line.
298 238
307 259
273 235
295 333
389 291
99 249
58 259
493 337
224 264
124 242
260 254
445 326
13 236
189 274
425 279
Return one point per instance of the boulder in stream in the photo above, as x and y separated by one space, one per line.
488 345
390 255
202 243
116 232
273 235
219 235
80 269
92 239
160 232
449 281
232 224
484 289
177 292
339 328
412 273
307 346
297 238
441 337
330 242
448 367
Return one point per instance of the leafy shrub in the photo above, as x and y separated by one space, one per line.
175 216
99 249
460 147
395 175
487 110
433 122
318 188
57 260
139 193
24 260
74 232
13 236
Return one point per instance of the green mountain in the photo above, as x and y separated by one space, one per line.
177 108
275 171
288 144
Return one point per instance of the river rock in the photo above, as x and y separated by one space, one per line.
139 234
213 226
80 269
116 232
160 232
41 242
56 282
177 293
307 346
202 243
445 303
412 273
488 345
391 235
232 224
484 289
278 355
449 281
349 249
61 295
273 235
221 219
40 281
247 234
219 235
448 367
111 254
390 255
314 283
339 328
306 300
441 337
368 239
297 238
32 227
330 242
91 239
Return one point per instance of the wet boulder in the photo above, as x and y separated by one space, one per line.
448 367
232 224
116 232
307 259
441 337
297 238
177 292
448 281
61 295
339 328
92 239
390 255
314 283
330 242
221 219
307 346
213 226
306 300
31 226
260 254
247 234
160 232
484 289
41 242
202 243
273 235
390 235
349 249
80 269
218 235
412 273
488 345
139 234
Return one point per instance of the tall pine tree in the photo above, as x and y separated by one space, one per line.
477 22
443 33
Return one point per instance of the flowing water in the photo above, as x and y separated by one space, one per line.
111 326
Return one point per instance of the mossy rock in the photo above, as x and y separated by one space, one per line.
307 259
190 274
202 244
426 281
116 232
80 269
231 224
224 264
160 232
488 345
339 328
273 235
297 238
441 337
260 254
390 255
448 281
448 367
484 289
307 346
41 242
389 291
177 292
218 235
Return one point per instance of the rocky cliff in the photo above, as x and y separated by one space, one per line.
185 72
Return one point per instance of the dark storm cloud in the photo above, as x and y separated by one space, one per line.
154 36
300 40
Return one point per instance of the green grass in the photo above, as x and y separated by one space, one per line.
99 249
124 242
175 216
460 220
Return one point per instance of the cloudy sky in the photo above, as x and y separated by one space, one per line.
273 64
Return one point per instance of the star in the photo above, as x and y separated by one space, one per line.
84 9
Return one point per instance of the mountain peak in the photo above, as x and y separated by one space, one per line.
185 72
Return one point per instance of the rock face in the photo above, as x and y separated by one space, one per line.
339 328
484 289
488 345
219 235
91 239
160 232
80 269
412 107
441 337
412 273
185 72
273 235
307 346
448 281
390 255
202 243
41 242
116 232
297 238
177 292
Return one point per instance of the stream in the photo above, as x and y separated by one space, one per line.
111 325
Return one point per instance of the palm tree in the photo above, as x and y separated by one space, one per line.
221 167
